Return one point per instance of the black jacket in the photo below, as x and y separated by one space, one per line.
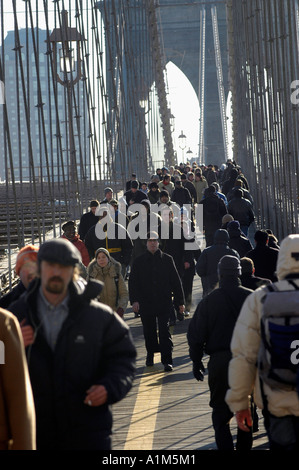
214 209
181 196
153 280
241 210
117 241
94 346
211 327
87 221
264 259
207 263
238 242
13 295
253 282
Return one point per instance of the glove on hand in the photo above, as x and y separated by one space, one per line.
120 312
198 370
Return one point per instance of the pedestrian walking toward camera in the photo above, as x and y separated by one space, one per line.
265 354
153 282
110 235
106 269
88 220
26 269
210 332
81 358
69 229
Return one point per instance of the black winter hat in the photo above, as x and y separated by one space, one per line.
221 236
134 184
69 223
59 250
229 266
234 225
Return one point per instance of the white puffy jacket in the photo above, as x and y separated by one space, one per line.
243 376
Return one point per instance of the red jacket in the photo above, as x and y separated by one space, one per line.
80 245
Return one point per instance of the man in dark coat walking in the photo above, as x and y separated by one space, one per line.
241 210
210 332
152 283
81 356
88 220
264 258
180 194
237 239
248 277
214 209
207 263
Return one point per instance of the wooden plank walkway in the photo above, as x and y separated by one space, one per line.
168 411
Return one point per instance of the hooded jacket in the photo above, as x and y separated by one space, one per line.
94 346
114 292
243 371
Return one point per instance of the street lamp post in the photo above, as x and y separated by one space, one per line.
68 75
190 153
182 144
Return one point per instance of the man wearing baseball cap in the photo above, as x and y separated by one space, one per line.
26 269
81 358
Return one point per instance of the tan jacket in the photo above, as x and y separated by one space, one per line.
107 275
17 412
243 376
200 186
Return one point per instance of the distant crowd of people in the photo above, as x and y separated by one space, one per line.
141 249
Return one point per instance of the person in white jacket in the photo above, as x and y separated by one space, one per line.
280 407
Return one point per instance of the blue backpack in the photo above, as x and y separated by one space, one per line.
279 352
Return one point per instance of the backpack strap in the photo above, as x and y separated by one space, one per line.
290 281
116 279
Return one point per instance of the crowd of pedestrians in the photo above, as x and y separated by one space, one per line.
140 251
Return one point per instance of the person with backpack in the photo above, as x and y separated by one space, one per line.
265 354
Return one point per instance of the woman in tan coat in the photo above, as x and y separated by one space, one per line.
17 411
107 270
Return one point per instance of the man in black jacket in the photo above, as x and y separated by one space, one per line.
152 283
241 210
181 195
214 209
81 356
88 220
237 239
210 332
207 263
110 235
264 258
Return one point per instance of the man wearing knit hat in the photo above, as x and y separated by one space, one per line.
82 357
26 269
108 192
209 332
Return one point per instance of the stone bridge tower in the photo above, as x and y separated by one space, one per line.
182 31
